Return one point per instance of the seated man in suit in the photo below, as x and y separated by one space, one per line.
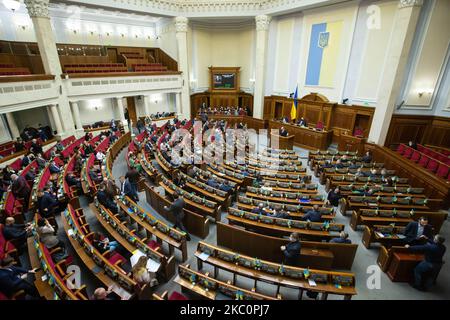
26 160
353 165
430 266
343 238
285 120
313 215
31 175
212 182
291 251
94 174
225 186
48 204
283 132
36 147
259 209
54 168
12 280
73 181
339 164
127 190
367 157
16 232
302 122
418 232
106 200
412 144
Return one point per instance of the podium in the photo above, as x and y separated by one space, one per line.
351 143
283 142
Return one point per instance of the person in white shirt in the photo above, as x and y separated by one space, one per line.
100 156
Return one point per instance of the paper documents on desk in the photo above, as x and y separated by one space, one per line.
152 266
312 283
379 234
121 292
203 256
70 233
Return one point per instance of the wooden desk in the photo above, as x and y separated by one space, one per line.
305 137
44 289
402 266
351 143
280 142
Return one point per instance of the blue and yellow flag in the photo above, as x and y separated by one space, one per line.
294 105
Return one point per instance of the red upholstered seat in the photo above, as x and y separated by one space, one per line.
401 148
177 296
424 161
442 170
116 257
415 156
432 165
153 244
319 125
408 152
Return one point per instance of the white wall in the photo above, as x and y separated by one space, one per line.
167 41
221 48
4 131
19 27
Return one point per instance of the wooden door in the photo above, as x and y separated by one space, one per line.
131 106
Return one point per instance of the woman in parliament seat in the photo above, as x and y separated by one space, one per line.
142 276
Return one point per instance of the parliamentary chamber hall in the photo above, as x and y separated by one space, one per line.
224 150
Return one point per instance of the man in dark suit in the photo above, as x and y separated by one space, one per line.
11 281
212 182
283 132
302 122
430 266
133 176
36 147
73 181
291 251
127 190
313 215
177 210
259 209
16 232
20 189
343 238
105 200
418 232
54 168
48 204
26 160
225 186
367 157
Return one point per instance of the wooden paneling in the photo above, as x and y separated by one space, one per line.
422 129
314 107
221 99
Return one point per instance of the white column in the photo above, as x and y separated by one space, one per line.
147 105
181 26
12 125
262 27
38 11
56 119
394 68
178 103
76 117
120 110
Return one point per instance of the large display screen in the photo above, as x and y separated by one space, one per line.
224 80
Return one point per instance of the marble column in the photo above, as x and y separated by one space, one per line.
12 125
147 105
77 118
38 11
120 110
262 27
181 27
394 69
56 119
178 104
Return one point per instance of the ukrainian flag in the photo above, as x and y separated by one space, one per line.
294 105
324 48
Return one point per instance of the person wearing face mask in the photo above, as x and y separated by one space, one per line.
291 251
